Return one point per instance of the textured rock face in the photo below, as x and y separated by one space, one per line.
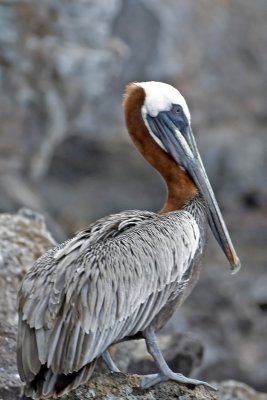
63 68
10 383
23 238
119 387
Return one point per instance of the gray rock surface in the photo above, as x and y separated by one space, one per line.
23 238
10 383
63 68
123 387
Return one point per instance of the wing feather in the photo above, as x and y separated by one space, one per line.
58 333
29 362
41 341
77 358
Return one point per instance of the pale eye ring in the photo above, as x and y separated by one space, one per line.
177 109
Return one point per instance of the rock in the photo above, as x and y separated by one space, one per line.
232 390
63 69
10 383
119 387
23 238
101 167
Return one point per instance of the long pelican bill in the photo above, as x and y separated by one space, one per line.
181 145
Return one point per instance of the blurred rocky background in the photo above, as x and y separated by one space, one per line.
64 150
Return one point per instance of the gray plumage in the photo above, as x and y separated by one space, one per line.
123 274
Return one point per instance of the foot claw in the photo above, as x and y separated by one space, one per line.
109 362
183 379
150 380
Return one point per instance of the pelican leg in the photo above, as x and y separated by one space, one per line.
165 372
110 364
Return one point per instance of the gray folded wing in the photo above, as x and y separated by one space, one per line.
107 283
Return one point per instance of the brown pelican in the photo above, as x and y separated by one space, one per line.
123 277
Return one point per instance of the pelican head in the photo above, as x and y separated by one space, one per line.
167 118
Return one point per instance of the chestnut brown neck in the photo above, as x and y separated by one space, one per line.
180 186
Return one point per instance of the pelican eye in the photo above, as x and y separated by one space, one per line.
177 109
